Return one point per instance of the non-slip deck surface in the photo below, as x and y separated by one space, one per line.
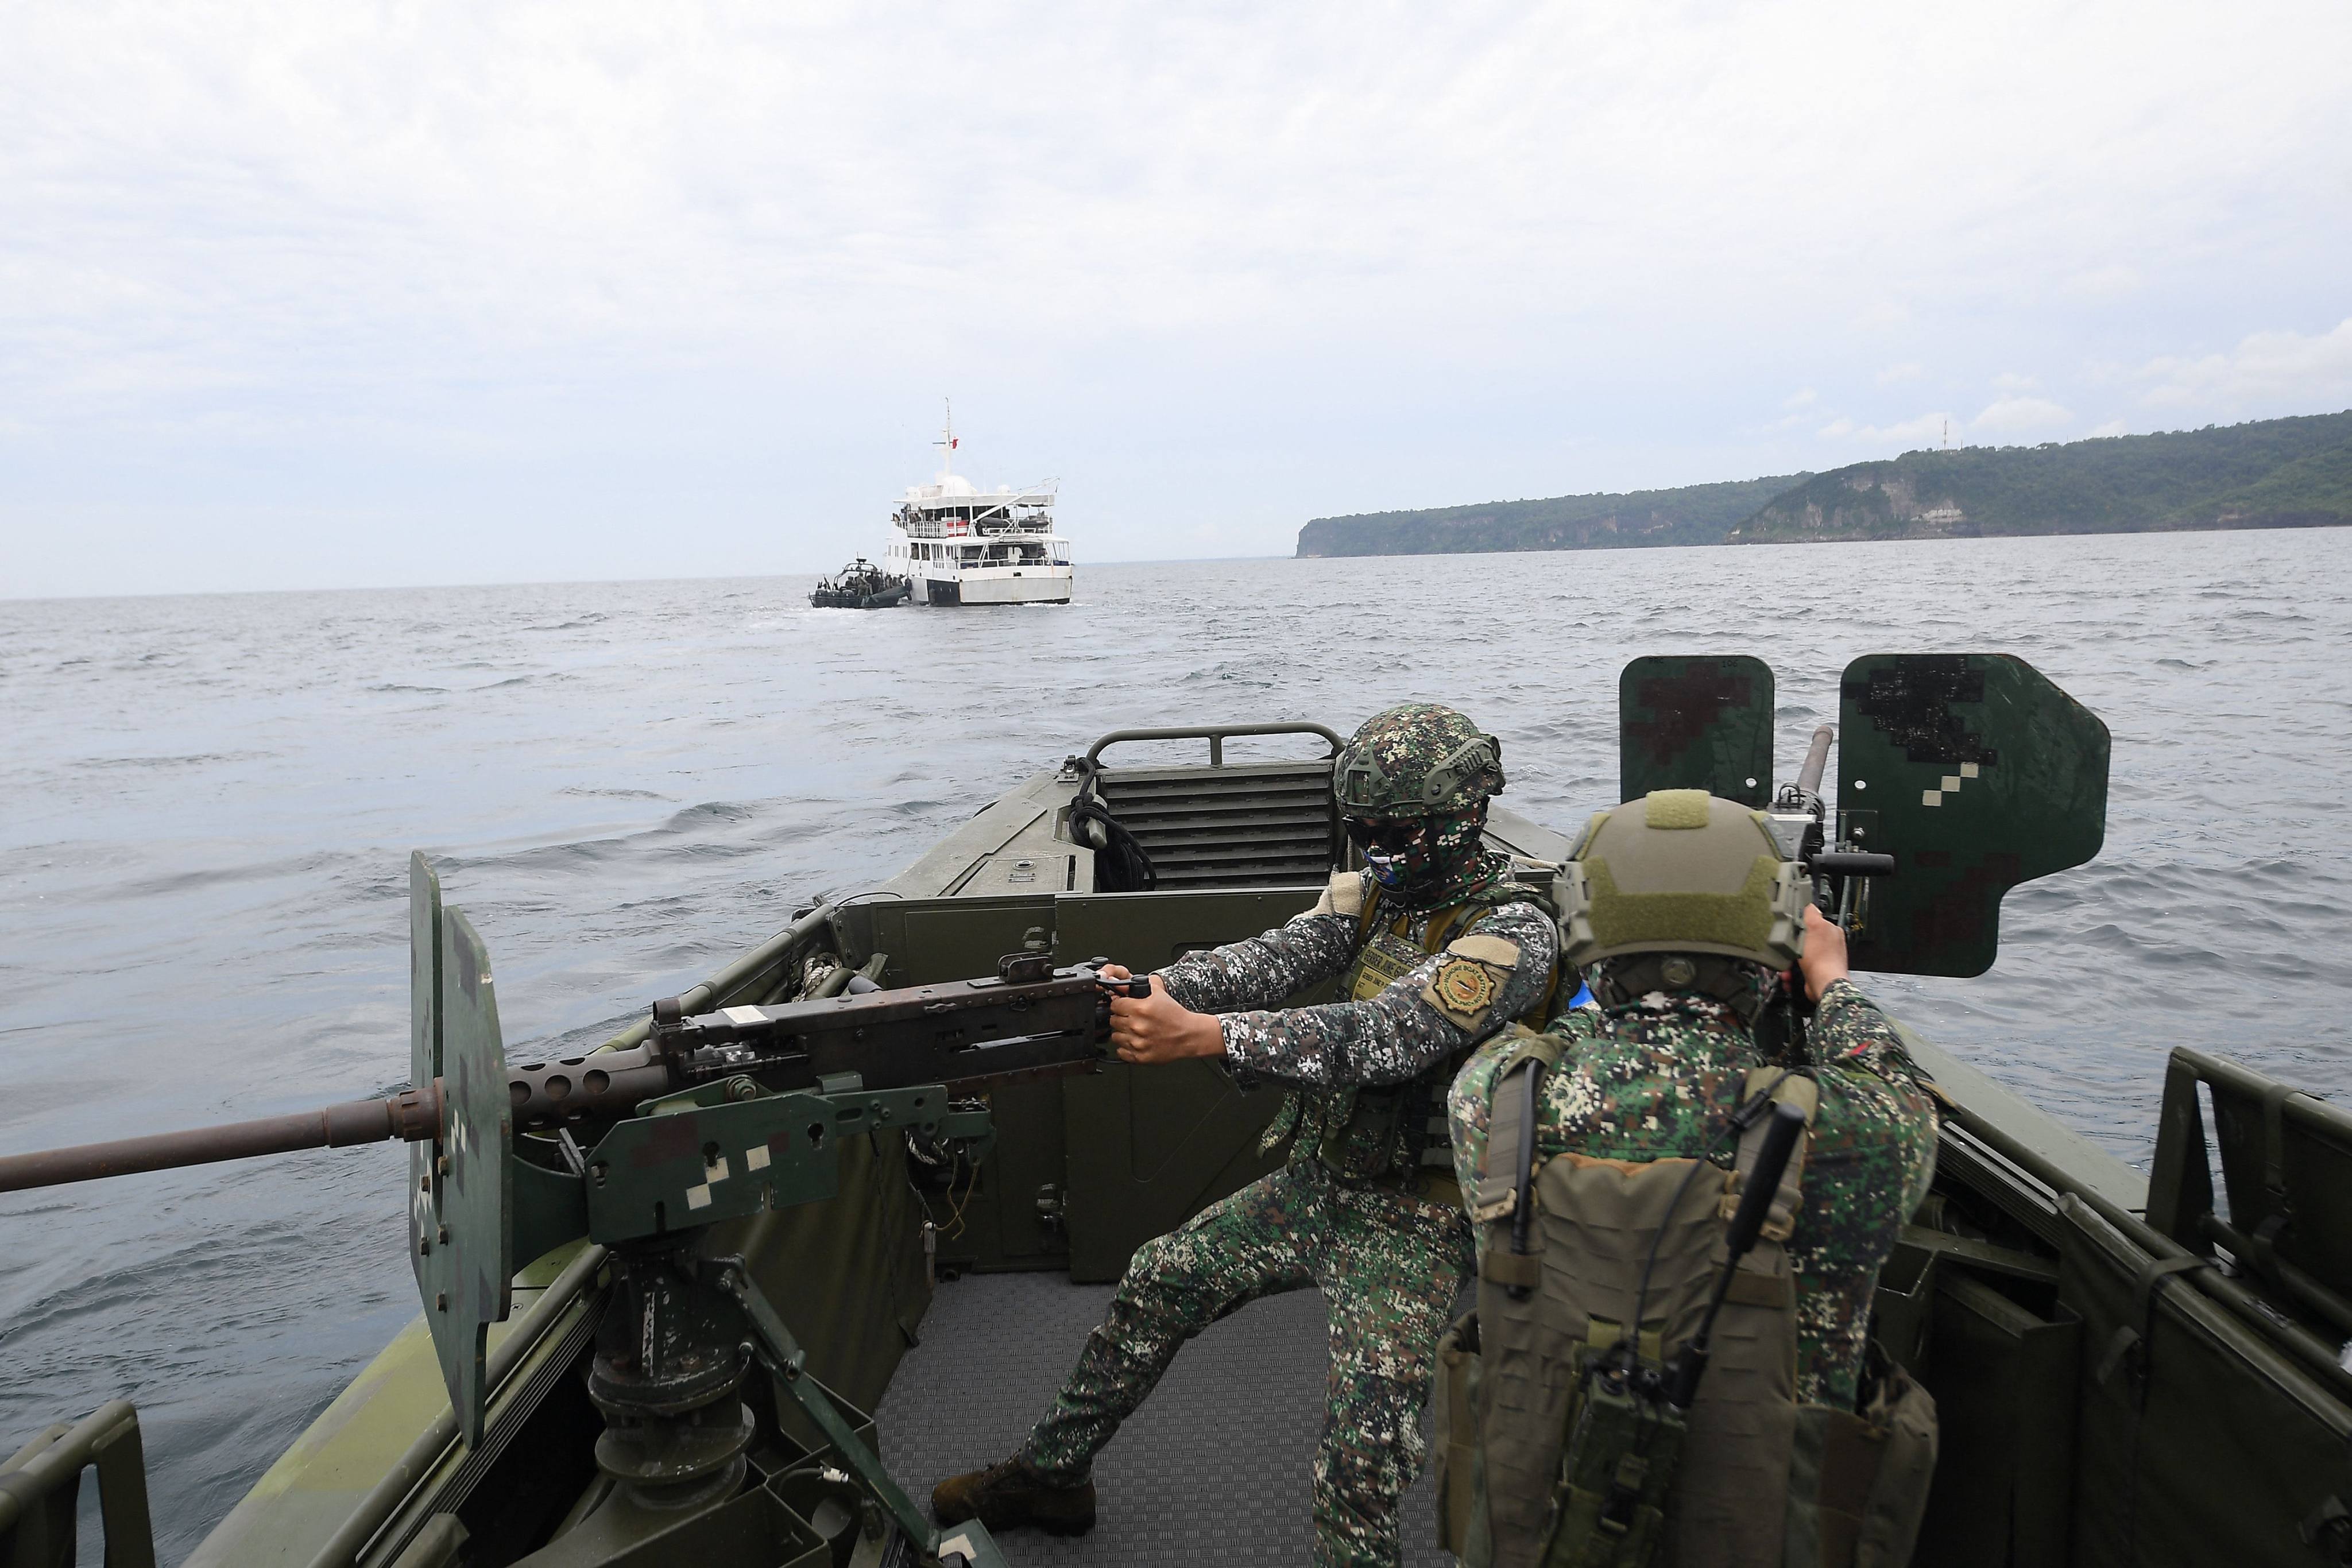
1213 1469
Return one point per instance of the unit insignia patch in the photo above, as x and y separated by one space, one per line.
1463 990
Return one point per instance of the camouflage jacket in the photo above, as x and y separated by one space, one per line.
1659 1078
1408 1029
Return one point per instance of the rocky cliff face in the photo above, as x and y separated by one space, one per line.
2280 472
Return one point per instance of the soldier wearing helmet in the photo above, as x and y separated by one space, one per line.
1599 1161
1434 950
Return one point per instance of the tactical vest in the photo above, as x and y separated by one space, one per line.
1760 1480
1395 1134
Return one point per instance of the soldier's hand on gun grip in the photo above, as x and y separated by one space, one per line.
1823 958
1157 1029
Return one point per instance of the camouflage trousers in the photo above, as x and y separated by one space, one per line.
1388 1268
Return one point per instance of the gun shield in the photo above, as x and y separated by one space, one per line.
460 1211
1976 773
1695 724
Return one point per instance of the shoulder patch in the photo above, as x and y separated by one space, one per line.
1343 896
1487 948
1463 990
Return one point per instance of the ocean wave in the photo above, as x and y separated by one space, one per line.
199 759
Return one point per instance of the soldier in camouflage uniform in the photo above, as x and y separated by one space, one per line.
1657 1075
1436 950
1654 1073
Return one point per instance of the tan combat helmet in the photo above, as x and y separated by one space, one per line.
1681 871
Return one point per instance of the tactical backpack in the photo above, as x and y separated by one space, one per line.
1539 1466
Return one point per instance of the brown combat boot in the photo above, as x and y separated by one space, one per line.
1013 1493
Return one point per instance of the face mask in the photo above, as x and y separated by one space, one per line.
1421 859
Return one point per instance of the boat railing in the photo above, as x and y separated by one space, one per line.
40 1491
1216 735
2282 1158
1258 822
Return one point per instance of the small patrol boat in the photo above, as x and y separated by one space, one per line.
667 1285
860 585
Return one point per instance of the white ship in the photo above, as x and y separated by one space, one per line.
958 544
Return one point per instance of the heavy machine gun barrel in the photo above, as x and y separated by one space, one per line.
1817 761
1030 1017
413 1115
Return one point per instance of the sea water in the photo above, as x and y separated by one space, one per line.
209 803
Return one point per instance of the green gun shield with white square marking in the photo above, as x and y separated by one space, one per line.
1975 773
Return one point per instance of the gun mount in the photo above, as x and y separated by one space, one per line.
718 1115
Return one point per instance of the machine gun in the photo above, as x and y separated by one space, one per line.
1031 1017
1841 871
716 1116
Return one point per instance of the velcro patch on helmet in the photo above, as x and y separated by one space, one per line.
1676 808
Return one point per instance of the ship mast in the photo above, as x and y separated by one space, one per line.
947 442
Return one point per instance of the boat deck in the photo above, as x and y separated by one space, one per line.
1214 1468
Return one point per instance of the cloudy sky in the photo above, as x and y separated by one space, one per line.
306 296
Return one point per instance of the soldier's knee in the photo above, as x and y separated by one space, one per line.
1151 1261
1156 1302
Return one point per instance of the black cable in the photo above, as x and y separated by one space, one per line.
1125 866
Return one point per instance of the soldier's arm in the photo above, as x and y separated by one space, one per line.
1860 1055
1470 1101
1868 1164
1260 971
1466 1108
1444 1005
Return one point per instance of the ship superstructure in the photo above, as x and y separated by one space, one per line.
958 544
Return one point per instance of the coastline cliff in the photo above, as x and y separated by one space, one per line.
2269 474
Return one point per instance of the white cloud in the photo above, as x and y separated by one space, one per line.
2110 282
2020 416
2268 367
1909 370
2010 382
1926 427
1805 399
2112 427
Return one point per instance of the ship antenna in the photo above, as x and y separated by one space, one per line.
947 441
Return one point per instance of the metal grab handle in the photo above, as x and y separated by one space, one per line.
1215 735
108 1438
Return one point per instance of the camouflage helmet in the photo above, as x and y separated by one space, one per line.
1681 871
1416 759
